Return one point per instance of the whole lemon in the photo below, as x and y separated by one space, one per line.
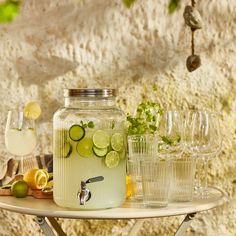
19 189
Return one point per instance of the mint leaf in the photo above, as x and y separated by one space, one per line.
113 124
9 10
166 140
91 124
171 142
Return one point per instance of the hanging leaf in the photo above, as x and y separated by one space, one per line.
128 3
9 10
173 5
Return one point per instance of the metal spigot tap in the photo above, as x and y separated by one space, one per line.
84 194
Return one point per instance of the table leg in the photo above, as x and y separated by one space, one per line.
56 226
137 226
185 224
40 220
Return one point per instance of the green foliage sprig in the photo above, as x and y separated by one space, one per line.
9 10
146 119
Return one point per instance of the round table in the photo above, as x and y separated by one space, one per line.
47 208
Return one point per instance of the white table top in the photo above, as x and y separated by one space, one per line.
46 207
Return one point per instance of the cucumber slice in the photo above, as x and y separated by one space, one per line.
66 150
76 132
100 152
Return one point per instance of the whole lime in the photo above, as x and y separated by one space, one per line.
19 189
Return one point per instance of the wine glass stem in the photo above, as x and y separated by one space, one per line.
198 175
205 184
22 165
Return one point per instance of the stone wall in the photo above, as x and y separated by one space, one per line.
55 44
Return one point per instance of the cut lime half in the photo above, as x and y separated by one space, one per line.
112 159
19 189
117 142
101 139
122 154
85 147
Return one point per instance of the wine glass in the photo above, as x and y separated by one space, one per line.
203 138
20 136
170 143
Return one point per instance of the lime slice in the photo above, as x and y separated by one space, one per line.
122 154
100 152
76 132
112 159
117 142
32 110
101 139
85 147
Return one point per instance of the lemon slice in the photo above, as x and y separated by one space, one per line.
32 110
46 173
112 159
129 186
41 180
117 142
36 178
85 147
50 184
101 139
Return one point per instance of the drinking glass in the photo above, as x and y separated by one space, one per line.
203 138
182 179
140 147
20 136
155 181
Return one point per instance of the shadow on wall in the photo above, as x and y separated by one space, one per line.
64 33
42 69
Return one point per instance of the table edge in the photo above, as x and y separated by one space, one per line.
125 215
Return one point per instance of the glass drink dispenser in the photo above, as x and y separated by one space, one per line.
89 150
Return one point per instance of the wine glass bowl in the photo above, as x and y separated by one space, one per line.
171 134
20 135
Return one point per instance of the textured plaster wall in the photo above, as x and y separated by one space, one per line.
99 43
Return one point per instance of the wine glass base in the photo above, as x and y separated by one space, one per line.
202 193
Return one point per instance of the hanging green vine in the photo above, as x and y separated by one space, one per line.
9 9
172 6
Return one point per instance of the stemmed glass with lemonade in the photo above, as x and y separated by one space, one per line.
20 133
